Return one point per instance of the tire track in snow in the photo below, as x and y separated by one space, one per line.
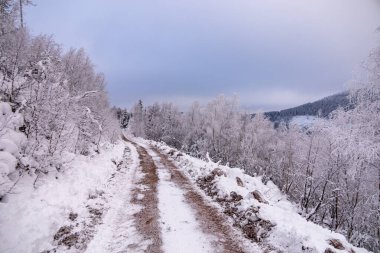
174 217
119 232
145 194
216 234
180 229
211 221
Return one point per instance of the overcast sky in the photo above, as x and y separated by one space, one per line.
272 53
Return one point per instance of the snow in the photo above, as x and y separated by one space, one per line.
9 146
305 121
5 110
17 138
11 142
180 229
30 217
8 161
181 233
292 231
118 231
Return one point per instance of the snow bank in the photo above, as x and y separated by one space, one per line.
246 199
11 141
30 217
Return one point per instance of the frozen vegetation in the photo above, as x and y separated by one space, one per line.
261 210
328 167
211 179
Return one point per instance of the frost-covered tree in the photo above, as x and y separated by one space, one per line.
172 125
258 146
361 132
7 16
331 170
194 126
22 4
159 122
137 125
123 116
222 121
60 96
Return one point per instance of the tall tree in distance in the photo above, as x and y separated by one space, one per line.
137 122
23 3
7 16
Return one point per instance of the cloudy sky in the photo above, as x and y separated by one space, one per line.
271 53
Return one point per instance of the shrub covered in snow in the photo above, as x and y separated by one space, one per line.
65 209
58 99
11 143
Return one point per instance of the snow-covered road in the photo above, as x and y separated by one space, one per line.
118 232
155 209
141 196
122 229
180 229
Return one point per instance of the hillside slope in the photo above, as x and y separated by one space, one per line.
260 211
143 196
322 107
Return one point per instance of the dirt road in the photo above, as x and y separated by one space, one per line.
171 215
209 220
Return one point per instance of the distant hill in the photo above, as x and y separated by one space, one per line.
321 108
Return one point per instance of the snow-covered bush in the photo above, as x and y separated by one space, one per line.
11 143
61 98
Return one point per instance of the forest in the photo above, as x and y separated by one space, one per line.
321 108
330 170
51 102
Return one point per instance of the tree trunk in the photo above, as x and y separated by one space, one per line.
21 15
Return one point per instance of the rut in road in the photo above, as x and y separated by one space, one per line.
147 219
131 223
210 220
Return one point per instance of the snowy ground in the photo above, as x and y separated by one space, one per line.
290 232
305 121
180 229
189 224
117 233
29 218
141 196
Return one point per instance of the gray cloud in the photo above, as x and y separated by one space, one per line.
273 53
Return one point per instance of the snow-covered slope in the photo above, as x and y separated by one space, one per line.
11 142
86 207
305 121
70 201
260 210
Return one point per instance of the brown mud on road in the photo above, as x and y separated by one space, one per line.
145 195
211 220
